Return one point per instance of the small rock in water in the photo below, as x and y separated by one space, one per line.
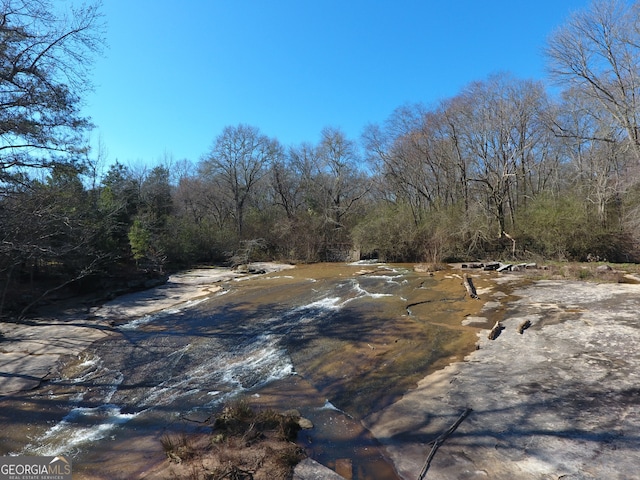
291 413
305 423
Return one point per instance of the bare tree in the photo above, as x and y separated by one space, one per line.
598 156
399 152
287 181
597 53
338 181
239 159
45 54
499 131
453 126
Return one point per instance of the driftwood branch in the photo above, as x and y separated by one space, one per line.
523 326
495 331
440 440
471 289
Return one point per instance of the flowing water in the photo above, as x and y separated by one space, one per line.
336 341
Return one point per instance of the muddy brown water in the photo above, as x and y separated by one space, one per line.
335 341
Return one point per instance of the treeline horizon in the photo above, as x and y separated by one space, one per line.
502 171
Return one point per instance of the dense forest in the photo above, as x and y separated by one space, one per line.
508 168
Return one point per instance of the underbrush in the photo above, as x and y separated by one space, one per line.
243 444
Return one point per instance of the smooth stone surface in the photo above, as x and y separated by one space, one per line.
561 400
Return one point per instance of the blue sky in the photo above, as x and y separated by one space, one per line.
176 73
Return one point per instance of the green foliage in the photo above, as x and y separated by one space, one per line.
390 232
552 227
139 239
450 234
156 203
45 54
300 238
566 228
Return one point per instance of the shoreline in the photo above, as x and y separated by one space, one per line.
559 399
29 351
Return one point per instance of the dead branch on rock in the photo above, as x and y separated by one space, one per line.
523 326
440 440
495 331
471 289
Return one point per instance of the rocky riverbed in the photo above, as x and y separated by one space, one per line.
560 400
30 349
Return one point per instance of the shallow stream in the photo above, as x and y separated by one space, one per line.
336 341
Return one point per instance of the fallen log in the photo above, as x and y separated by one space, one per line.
491 266
440 440
471 289
523 326
495 331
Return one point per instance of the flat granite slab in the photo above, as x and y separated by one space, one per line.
309 469
29 351
560 400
